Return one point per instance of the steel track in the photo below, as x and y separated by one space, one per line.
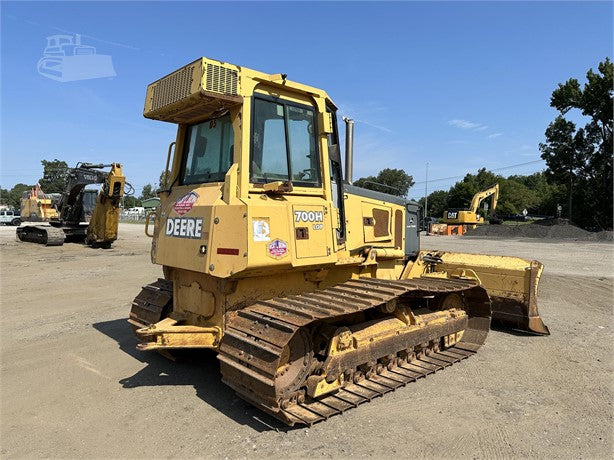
255 338
41 234
154 303
354 394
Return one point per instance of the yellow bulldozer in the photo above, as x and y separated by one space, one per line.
314 292
36 206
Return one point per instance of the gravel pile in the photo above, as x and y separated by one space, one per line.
548 228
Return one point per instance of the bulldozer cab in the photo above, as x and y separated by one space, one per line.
251 173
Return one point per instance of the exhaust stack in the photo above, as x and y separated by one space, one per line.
349 148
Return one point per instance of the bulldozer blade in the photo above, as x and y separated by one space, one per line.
511 283
521 313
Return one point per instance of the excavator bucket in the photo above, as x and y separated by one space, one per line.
511 283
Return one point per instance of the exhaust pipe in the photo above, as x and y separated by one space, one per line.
349 149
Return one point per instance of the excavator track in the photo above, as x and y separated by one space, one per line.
41 234
267 354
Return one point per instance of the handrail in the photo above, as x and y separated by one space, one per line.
147 219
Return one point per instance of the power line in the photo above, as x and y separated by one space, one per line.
495 169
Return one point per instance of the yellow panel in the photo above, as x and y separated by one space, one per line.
376 221
228 246
312 231
186 203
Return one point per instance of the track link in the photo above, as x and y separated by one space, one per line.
154 303
256 338
371 387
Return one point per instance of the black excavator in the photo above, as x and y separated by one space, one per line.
84 215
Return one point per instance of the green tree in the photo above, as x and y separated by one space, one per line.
391 181
462 192
55 176
14 195
438 203
581 158
514 197
545 195
148 192
535 193
4 196
131 202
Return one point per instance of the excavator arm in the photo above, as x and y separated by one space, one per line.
482 195
70 206
102 230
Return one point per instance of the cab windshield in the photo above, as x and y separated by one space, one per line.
207 153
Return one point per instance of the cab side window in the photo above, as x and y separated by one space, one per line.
208 151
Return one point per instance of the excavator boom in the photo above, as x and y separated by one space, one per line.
471 215
482 195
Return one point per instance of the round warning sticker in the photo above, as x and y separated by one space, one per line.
277 249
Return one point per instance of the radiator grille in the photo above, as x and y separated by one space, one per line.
221 79
173 88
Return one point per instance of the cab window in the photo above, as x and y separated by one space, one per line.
284 144
207 153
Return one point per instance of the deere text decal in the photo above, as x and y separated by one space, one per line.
184 227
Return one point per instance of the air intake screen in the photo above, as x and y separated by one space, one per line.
173 88
221 80
194 92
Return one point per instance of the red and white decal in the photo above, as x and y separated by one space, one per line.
184 204
277 249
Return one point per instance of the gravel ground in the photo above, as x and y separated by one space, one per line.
73 384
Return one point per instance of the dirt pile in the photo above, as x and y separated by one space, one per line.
547 228
553 221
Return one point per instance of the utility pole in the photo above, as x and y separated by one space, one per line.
426 193
570 191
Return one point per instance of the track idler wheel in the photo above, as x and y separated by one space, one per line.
294 365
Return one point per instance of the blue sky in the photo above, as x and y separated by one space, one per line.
459 85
